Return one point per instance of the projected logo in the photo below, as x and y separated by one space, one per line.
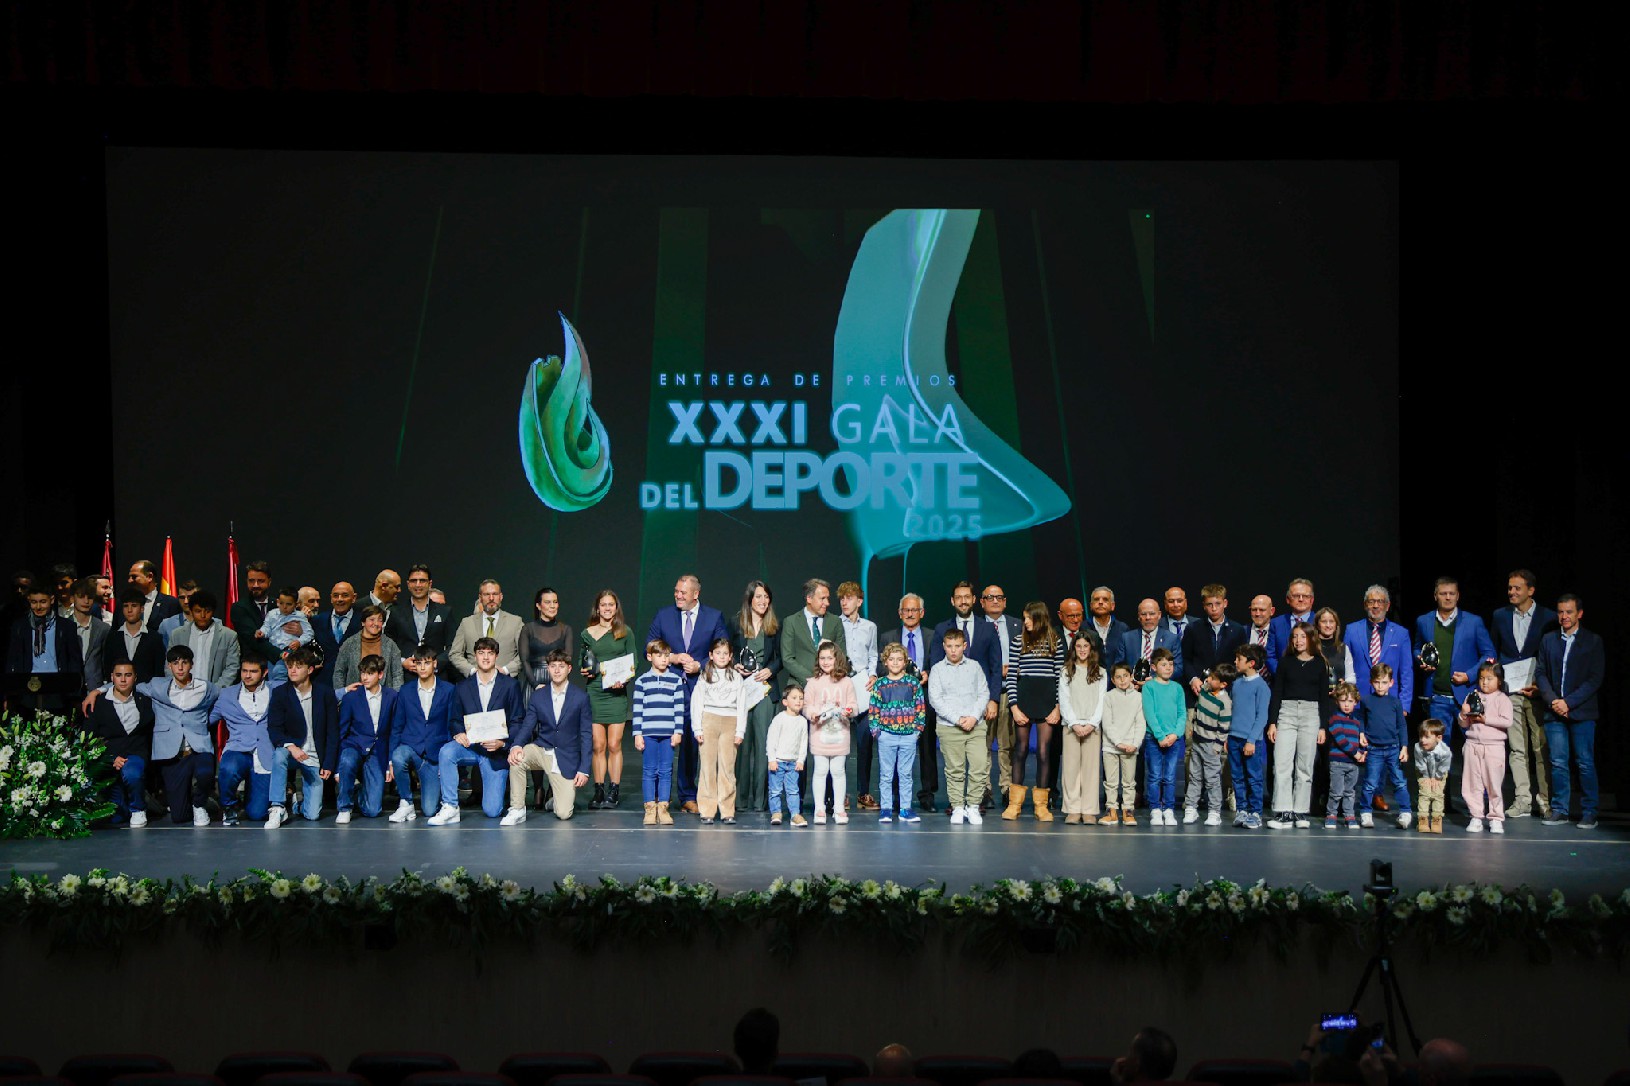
564 447
913 463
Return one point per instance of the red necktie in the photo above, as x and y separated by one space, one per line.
1148 644
1375 644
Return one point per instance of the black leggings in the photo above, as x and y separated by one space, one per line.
1044 750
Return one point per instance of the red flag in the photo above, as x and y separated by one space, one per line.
107 551
166 576
231 577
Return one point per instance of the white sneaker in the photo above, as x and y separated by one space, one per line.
405 812
1191 815
1302 822
974 817
1475 826
200 817
513 817
275 817
1214 818
343 818
1404 819
446 816
959 815
1168 817
1496 826
1366 820
138 819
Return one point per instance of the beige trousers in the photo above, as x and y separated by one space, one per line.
1120 775
716 784
536 757
1080 771
1529 767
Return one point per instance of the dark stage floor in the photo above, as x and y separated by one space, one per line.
751 854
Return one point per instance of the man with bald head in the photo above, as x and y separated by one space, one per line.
334 626
993 602
387 586
894 1061
1140 644
1260 630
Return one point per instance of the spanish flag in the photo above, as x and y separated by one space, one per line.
166 575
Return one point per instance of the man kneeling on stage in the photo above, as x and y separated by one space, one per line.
553 736
482 704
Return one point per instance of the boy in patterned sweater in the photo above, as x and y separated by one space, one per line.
1347 753
1213 713
897 719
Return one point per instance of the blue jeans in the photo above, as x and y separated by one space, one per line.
1579 736
494 775
311 783
1383 762
784 781
1440 707
128 795
1162 763
657 769
235 767
1247 774
406 758
896 760
373 782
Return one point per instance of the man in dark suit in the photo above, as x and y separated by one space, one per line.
486 690
156 606
1517 631
1104 625
133 641
248 615
802 633
422 623
1572 665
293 741
982 650
43 665
335 626
92 632
555 735
993 602
1298 609
124 722
688 627
1140 644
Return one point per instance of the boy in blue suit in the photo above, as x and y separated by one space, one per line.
302 718
421 723
487 690
362 742
555 735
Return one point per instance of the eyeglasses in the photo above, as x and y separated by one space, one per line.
992 596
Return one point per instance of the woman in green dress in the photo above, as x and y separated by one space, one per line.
606 639
755 627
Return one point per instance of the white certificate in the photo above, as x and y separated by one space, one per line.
1519 673
617 671
483 727
756 692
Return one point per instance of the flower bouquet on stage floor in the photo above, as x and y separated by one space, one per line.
53 778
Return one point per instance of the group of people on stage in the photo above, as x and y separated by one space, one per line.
1173 711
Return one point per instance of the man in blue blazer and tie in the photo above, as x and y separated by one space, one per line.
1462 642
361 742
1299 608
421 724
1517 631
983 649
1140 644
689 627
486 690
1572 665
555 735
1374 639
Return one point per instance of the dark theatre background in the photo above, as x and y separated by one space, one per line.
1510 440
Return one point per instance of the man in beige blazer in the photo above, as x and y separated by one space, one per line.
490 620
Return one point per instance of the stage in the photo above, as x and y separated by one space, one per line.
752 853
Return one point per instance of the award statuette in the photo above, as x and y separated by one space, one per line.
589 664
1330 676
749 660
1429 655
1474 704
1141 670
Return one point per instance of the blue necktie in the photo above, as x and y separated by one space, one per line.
911 646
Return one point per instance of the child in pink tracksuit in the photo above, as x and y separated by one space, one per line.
1485 751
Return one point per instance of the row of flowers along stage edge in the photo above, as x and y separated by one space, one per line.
1188 927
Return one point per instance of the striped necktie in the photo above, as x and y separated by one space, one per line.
1375 644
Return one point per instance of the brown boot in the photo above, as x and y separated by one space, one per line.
1437 824
1128 818
1015 802
1038 799
663 817
1424 825
650 814
1112 817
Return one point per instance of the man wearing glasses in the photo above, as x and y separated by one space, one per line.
993 601
423 625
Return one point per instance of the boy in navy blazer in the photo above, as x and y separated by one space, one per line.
1572 665
293 741
554 735
421 723
486 690
124 722
361 742
1517 631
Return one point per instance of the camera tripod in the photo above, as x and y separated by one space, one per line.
1381 964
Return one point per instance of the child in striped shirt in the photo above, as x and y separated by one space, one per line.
1213 713
1347 753
659 721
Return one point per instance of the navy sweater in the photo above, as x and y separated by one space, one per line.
1383 720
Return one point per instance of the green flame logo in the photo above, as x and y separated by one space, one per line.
564 447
